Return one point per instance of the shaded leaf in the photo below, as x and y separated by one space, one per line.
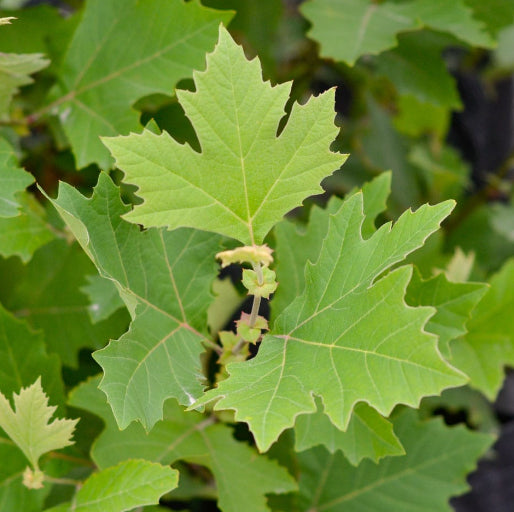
242 476
106 68
104 298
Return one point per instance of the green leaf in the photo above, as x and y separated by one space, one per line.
368 436
355 328
164 278
106 69
28 424
489 344
29 230
104 298
434 469
24 358
496 14
236 117
242 476
416 67
130 484
46 292
454 303
295 246
416 118
15 71
348 29
12 180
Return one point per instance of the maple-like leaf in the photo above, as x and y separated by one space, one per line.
13 180
435 466
370 27
351 325
28 425
164 279
368 435
489 344
243 477
130 484
121 51
245 178
15 71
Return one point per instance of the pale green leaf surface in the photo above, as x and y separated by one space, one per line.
104 298
130 484
489 344
24 358
368 436
12 180
434 469
15 71
46 293
243 477
454 303
23 234
236 117
107 68
294 246
496 14
28 425
354 328
165 278
348 29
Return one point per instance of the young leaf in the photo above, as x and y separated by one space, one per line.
368 436
164 278
435 466
130 484
489 344
246 178
242 476
355 328
13 180
370 27
15 71
106 69
28 424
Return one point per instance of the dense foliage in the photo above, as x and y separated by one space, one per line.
156 299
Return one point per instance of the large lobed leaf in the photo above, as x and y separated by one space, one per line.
435 466
242 476
164 278
121 51
351 325
245 178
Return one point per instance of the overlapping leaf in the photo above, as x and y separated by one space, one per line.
13 180
242 476
164 279
245 178
434 469
107 68
454 303
130 484
15 71
347 29
46 293
489 344
354 328
368 436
